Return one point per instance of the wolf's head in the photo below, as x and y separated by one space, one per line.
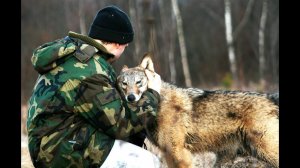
133 82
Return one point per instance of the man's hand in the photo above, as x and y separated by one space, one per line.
154 80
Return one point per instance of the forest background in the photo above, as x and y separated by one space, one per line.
209 44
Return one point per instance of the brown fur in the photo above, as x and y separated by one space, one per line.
193 120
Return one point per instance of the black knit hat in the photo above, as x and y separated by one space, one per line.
111 24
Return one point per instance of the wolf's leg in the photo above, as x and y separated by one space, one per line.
177 155
264 136
182 159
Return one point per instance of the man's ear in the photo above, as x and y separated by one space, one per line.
125 67
147 62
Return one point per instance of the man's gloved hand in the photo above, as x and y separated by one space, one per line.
154 80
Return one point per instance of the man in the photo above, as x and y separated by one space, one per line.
76 117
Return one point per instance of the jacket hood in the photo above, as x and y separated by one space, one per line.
49 55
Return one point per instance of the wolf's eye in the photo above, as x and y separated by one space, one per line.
139 82
124 83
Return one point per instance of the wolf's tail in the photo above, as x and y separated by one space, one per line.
274 97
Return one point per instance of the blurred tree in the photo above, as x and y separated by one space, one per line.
202 28
229 40
261 43
185 64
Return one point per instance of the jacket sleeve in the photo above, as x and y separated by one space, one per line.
101 105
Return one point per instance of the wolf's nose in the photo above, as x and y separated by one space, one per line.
131 98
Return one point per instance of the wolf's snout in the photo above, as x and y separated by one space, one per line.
131 98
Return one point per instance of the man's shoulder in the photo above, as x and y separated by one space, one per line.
49 55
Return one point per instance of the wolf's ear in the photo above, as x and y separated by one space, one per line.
147 62
125 67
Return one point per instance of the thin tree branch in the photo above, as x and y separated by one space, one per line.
245 19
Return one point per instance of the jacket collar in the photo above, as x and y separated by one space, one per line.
90 41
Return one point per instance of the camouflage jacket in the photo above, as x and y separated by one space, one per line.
75 111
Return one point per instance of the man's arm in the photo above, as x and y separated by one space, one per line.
101 105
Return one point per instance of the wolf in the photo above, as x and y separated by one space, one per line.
191 120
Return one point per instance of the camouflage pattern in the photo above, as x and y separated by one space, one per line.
75 111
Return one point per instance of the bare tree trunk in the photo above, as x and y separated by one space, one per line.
168 28
183 53
152 37
274 42
261 42
133 15
244 20
173 72
82 17
229 40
